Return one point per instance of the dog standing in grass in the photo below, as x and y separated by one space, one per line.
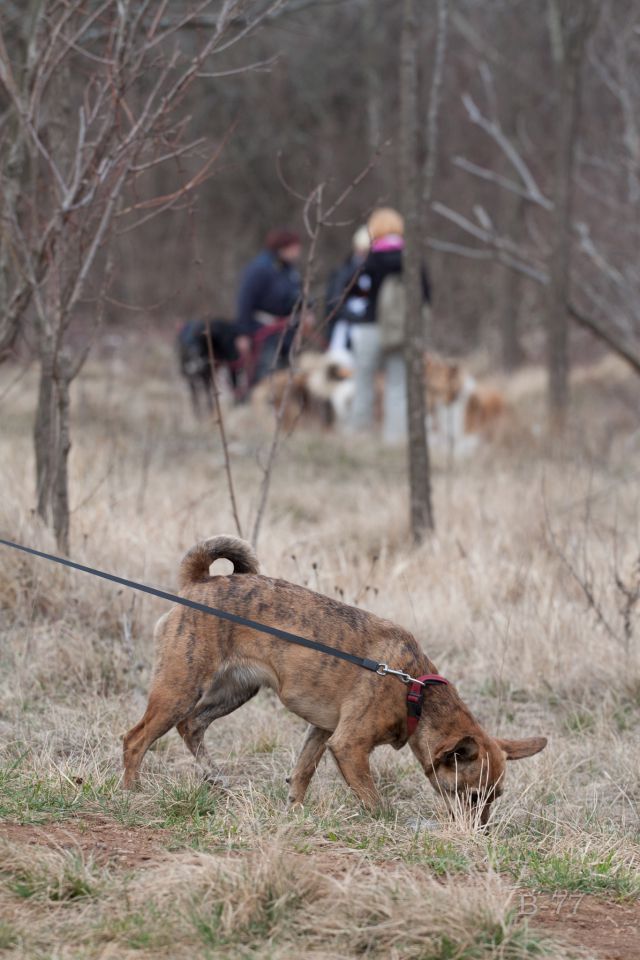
206 668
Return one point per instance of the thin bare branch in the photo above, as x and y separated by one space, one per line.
493 130
506 251
222 431
260 66
315 219
489 175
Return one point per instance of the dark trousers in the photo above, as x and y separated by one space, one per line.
271 349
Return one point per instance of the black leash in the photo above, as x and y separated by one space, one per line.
372 665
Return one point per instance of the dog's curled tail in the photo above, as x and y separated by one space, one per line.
196 562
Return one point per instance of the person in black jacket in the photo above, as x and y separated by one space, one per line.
386 231
270 289
347 294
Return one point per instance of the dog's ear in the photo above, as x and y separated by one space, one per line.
463 751
518 749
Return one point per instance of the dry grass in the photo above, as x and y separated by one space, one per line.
269 903
522 598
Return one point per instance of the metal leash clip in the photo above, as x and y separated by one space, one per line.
384 670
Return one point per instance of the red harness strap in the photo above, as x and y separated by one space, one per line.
415 697
250 363
267 329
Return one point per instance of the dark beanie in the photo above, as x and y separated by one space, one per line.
279 239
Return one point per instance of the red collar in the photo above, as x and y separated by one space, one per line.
415 697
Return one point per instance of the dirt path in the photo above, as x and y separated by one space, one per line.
608 930
96 837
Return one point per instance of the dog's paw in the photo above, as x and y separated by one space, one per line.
216 779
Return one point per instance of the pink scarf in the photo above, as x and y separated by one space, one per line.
392 241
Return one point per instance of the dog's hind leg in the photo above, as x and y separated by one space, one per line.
313 748
228 691
192 732
158 719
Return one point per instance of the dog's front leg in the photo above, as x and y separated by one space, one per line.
353 762
313 748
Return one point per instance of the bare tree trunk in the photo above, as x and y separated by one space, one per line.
14 164
373 77
421 511
433 112
559 255
52 441
570 24
512 218
13 159
60 474
44 430
51 431
511 350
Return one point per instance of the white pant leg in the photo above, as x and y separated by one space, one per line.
339 342
394 428
365 340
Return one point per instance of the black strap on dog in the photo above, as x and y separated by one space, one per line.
367 664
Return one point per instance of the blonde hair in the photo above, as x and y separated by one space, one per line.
383 221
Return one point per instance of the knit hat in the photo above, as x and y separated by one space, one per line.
279 239
383 221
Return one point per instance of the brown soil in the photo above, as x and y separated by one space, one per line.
605 929
96 837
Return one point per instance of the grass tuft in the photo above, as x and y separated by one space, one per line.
8 935
572 869
49 875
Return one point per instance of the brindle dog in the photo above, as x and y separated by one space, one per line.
206 668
